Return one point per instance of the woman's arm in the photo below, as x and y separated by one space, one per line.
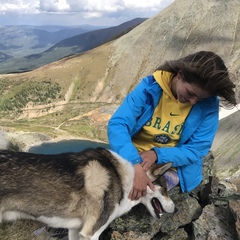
124 120
195 147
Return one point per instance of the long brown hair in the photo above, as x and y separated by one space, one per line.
208 71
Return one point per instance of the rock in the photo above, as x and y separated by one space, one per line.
214 223
234 206
24 140
220 218
139 224
135 224
188 210
180 233
227 189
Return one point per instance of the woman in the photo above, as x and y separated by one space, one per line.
172 116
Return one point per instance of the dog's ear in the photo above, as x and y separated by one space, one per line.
162 169
157 170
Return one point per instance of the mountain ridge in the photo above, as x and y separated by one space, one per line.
73 44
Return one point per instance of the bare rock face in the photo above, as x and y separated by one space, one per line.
234 206
214 223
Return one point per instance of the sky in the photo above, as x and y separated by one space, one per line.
77 12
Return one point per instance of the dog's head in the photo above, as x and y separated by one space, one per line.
158 201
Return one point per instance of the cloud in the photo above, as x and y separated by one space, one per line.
54 6
17 6
83 9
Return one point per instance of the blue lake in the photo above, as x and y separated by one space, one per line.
66 146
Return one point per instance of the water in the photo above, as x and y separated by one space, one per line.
66 146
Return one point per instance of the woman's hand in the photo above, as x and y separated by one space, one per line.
140 183
149 158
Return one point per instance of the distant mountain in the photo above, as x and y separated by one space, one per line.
74 44
4 57
21 40
55 28
89 40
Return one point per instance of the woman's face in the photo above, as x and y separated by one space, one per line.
186 92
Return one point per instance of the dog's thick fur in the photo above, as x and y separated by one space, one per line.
83 191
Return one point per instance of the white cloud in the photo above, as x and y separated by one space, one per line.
18 6
84 10
148 4
54 6
103 6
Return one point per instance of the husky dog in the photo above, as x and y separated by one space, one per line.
83 192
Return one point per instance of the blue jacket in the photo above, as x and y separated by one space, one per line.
195 141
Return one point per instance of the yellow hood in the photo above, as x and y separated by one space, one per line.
164 80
